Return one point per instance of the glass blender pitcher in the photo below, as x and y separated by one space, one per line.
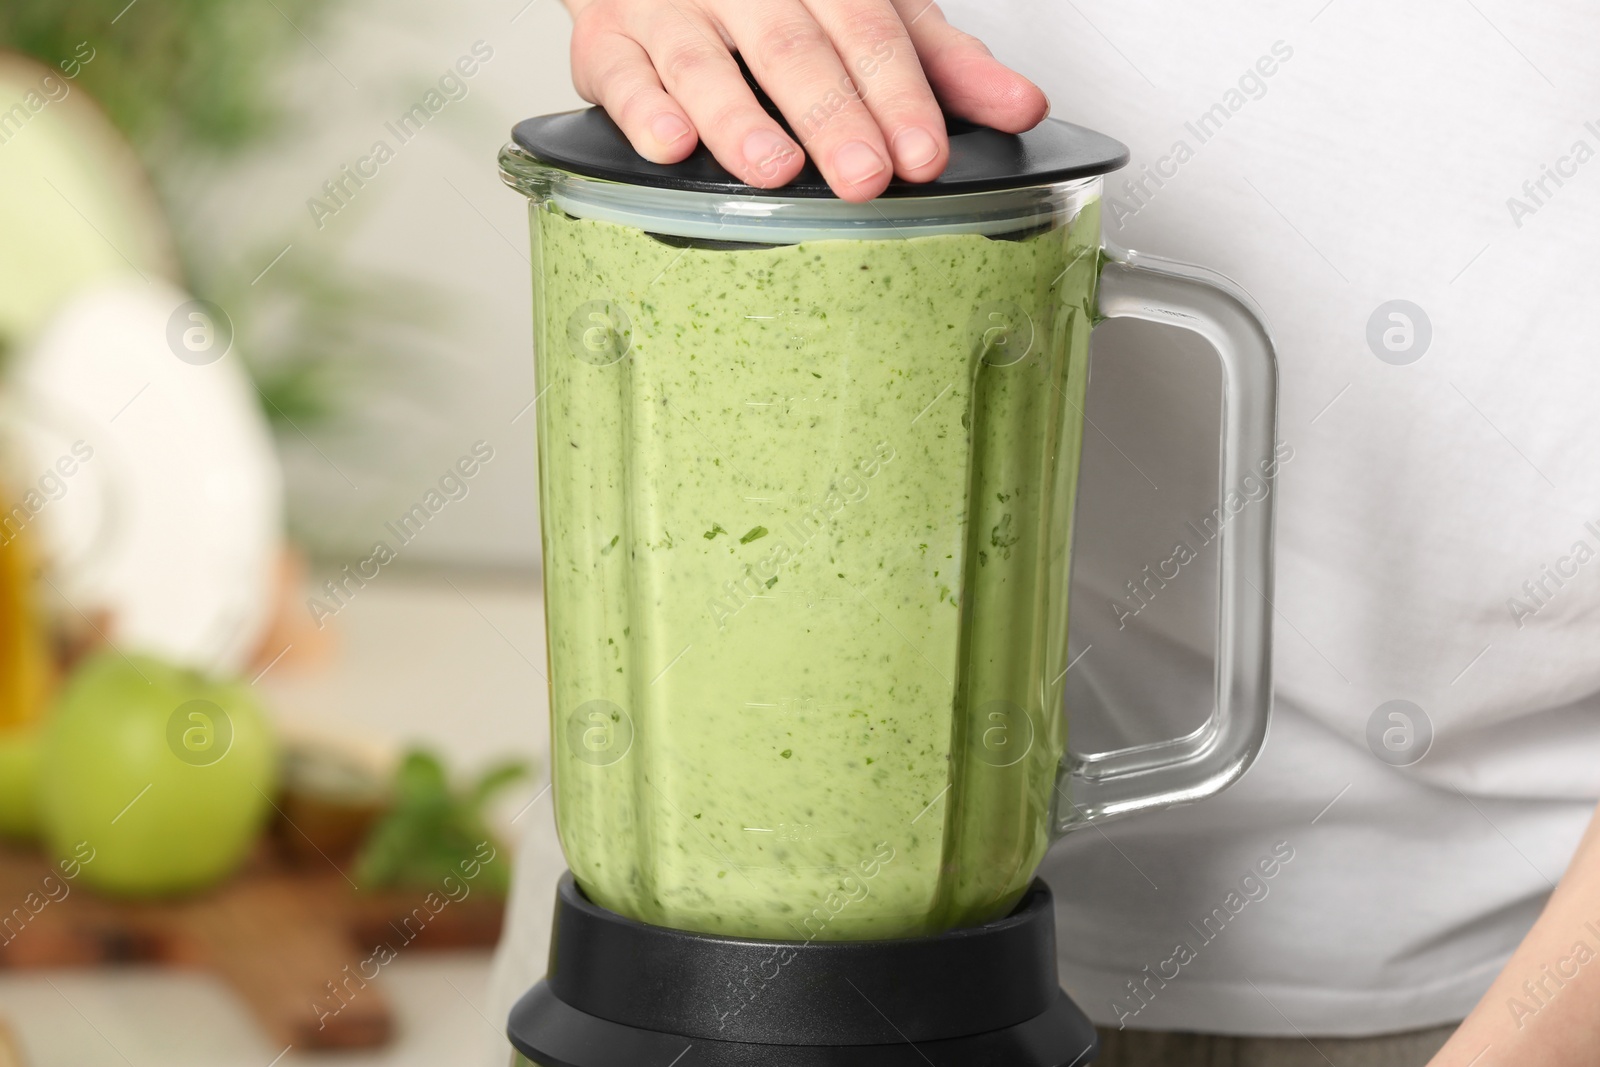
807 481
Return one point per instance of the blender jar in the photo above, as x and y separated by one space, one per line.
807 480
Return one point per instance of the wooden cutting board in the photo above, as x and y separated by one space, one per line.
10 1053
301 946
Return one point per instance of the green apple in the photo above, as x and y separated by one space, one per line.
19 782
165 773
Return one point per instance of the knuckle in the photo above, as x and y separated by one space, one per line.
838 113
788 42
629 100
733 118
875 29
686 61
906 104
824 132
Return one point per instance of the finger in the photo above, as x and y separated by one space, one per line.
878 55
795 61
616 73
968 80
696 68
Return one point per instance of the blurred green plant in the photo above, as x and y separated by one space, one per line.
434 830
314 331
172 72
190 81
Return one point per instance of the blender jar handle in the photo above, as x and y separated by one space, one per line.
1093 788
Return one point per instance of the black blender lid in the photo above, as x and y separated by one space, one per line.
587 142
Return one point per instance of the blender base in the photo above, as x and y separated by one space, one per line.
621 993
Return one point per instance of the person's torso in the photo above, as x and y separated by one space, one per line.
1412 193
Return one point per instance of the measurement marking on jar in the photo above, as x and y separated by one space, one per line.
796 832
810 598
785 400
796 704
796 867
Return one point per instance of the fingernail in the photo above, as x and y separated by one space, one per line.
858 162
669 129
766 151
915 147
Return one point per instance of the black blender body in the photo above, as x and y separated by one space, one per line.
621 993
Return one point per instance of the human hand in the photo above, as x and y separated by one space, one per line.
859 81
1544 1007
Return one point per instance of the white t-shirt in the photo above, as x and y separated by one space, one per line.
1439 520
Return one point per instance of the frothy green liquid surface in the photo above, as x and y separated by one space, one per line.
806 515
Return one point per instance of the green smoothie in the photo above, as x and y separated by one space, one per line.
806 515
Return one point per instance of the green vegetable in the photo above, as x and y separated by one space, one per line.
433 831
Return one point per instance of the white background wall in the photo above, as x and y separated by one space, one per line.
437 214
